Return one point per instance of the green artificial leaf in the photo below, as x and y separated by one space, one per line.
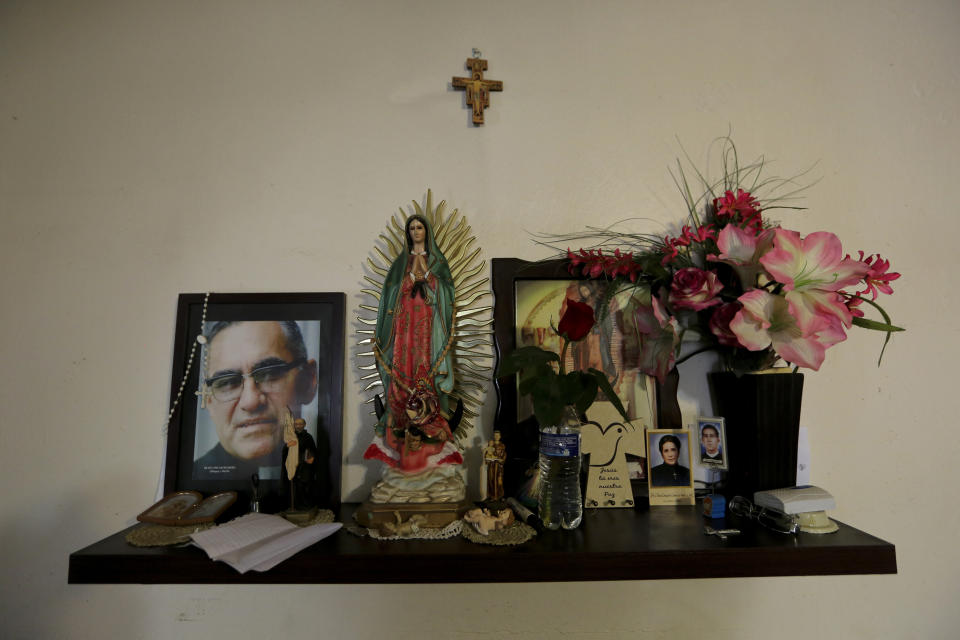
542 386
527 385
876 326
525 358
587 392
536 369
568 385
886 318
547 414
608 391
548 403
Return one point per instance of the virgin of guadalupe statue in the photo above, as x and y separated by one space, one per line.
413 350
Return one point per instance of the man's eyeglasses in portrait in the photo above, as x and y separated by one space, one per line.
269 379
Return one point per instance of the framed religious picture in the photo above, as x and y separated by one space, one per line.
713 443
265 378
529 299
670 479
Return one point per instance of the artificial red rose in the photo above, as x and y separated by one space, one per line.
720 324
694 288
576 321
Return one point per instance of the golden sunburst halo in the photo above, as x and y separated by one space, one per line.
473 333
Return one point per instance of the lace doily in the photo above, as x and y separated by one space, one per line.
158 535
516 533
424 533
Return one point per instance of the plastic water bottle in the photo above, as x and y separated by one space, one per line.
560 501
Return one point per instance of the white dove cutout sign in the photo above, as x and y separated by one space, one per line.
608 439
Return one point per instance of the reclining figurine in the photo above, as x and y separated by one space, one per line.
484 522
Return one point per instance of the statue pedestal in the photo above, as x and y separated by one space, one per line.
437 514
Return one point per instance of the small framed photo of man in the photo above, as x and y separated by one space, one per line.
266 374
670 460
713 443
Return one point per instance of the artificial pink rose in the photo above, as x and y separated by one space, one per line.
576 321
694 288
720 324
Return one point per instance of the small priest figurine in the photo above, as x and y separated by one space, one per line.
495 455
300 464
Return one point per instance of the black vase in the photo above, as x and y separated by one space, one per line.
762 420
668 407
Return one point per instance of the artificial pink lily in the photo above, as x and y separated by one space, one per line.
853 303
766 320
690 236
659 335
596 264
669 251
812 270
742 209
742 250
879 276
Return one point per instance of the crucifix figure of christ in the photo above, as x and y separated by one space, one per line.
478 90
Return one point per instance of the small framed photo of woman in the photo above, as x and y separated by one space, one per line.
670 459
713 443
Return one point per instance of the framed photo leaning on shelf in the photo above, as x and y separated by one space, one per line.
670 458
713 443
263 360
530 298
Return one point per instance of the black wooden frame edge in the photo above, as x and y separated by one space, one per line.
180 348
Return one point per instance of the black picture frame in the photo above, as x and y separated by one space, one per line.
521 435
505 272
329 346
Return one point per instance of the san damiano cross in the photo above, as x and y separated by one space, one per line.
478 90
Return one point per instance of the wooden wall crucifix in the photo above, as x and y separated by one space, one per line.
478 89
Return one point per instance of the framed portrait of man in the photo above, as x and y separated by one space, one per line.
263 363
713 443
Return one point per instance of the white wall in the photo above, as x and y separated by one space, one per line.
153 148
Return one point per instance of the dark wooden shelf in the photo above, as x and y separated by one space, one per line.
611 544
